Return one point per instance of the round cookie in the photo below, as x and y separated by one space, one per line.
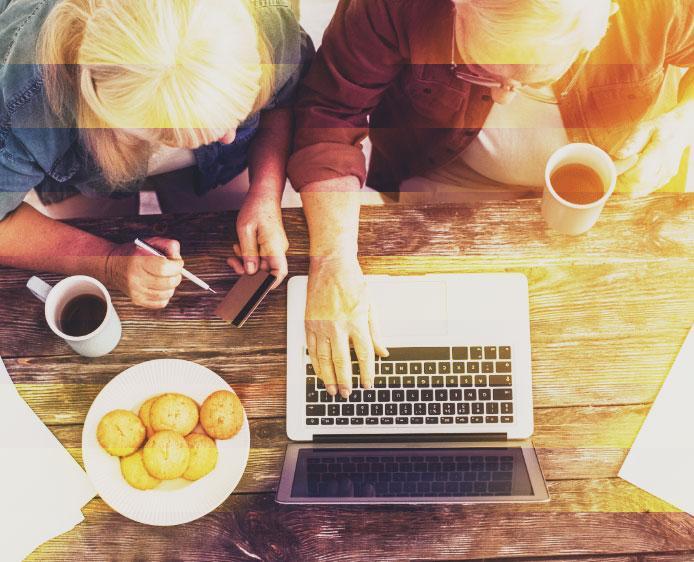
203 456
166 455
174 412
145 410
135 473
120 433
221 414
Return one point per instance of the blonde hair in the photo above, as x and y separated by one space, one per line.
186 70
531 31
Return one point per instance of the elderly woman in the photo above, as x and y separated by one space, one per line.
471 93
98 95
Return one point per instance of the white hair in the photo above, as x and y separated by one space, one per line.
531 31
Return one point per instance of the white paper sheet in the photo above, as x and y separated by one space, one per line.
42 487
661 460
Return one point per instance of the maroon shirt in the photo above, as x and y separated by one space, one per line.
384 69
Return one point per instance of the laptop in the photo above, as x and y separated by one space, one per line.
450 414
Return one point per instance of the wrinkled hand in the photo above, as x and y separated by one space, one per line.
262 241
150 281
339 310
651 156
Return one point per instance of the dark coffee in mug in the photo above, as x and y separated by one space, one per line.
577 183
83 315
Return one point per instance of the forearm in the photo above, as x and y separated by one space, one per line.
685 104
686 89
332 213
30 240
267 160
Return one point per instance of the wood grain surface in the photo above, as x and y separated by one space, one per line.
609 312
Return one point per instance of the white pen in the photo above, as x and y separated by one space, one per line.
187 274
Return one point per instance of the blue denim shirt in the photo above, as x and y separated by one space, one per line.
37 151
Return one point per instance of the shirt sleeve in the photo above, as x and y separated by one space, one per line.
359 59
680 35
17 178
291 51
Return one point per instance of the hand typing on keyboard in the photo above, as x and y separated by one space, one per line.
415 386
338 310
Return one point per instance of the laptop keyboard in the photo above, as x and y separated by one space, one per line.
414 475
418 386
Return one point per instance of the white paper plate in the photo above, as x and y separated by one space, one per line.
175 501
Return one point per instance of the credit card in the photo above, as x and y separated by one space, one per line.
244 297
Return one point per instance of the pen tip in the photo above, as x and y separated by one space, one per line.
212 290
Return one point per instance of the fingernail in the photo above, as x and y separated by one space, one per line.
332 389
345 392
251 268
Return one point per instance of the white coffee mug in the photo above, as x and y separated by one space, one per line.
572 218
102 340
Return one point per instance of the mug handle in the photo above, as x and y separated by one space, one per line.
39 288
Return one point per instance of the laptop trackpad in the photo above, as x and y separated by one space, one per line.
411 308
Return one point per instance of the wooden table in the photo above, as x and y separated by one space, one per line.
609 312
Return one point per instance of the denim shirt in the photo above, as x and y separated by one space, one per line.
37 151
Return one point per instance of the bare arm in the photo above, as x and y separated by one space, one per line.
262 240
338 308
267 159
332 213
30 240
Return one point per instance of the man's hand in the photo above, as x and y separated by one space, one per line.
148 280
651 156
339 310
262 241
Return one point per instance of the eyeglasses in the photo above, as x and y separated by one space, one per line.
464 72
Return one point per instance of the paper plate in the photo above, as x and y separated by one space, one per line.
176 501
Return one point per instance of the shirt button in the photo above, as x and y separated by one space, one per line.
486 97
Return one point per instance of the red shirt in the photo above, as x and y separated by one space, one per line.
384 69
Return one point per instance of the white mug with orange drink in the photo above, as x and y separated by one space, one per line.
579 179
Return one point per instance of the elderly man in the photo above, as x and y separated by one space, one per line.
471 93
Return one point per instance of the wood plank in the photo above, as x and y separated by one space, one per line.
605 304
617 345
513 232
591 369
628 558
254 527
676 557
572 444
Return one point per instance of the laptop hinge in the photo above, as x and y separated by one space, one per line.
400 438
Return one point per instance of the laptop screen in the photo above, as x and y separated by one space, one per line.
410 473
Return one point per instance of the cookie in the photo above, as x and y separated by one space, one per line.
120 433
133 469
144 414
174 412
203 456
166 455
221 414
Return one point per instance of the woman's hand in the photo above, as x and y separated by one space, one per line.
651 156
339 309
262 243
148 280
